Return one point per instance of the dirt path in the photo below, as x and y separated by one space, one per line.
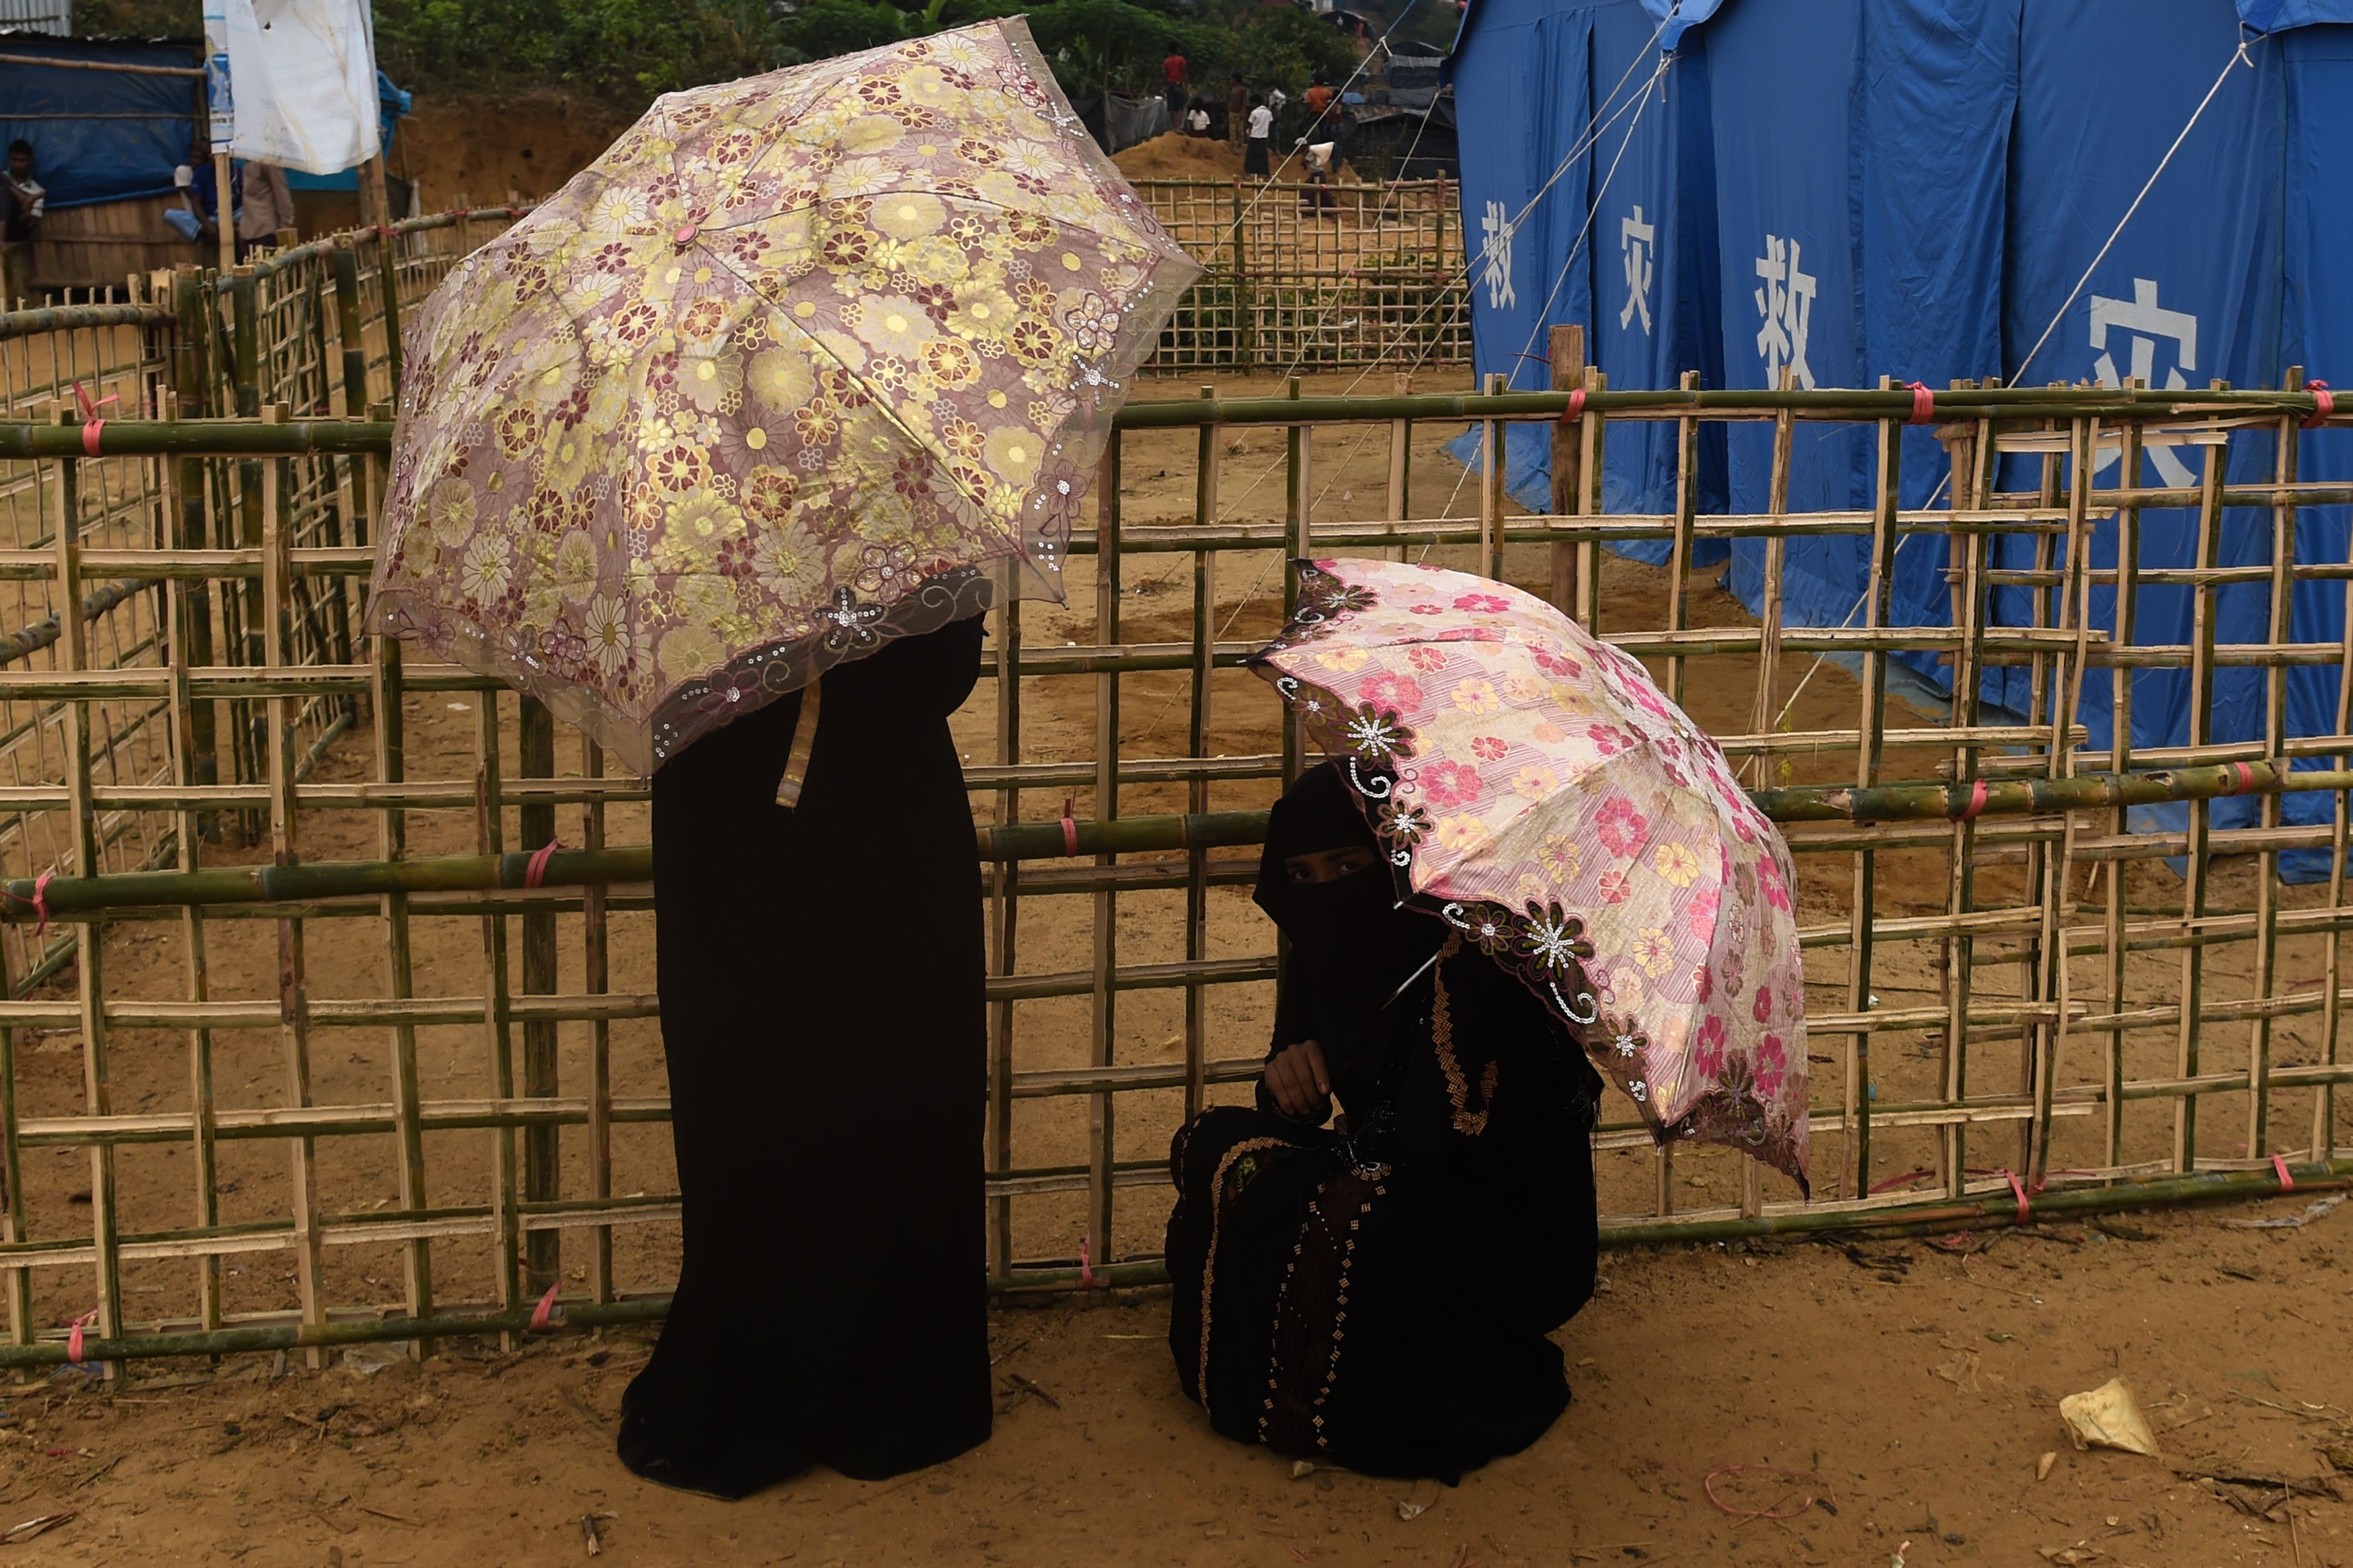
1921 1387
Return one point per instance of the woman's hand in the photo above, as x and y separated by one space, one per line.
1298 1079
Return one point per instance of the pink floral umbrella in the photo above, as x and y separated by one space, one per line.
1537 792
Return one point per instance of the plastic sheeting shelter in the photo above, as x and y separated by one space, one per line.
99 135
1916 188
304 77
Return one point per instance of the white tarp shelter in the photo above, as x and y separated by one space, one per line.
304 75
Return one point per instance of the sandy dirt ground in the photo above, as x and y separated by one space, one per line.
1918 1387
1921 1391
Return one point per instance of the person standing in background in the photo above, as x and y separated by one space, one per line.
1238 108
1254 154
22 200
1173 69
269 206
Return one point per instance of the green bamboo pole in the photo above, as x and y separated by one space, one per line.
535 825
1133 835
1938 1217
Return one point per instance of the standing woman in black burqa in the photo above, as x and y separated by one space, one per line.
820 974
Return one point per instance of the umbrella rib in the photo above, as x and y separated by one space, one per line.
937 454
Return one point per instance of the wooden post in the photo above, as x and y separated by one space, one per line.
1101 1123
225 220
293 984
535 823
1568 366
1400 489
378 193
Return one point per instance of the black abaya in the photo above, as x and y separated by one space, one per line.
821 972
1382 1297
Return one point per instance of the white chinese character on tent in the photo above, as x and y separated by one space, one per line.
1635 239
1787 303
1495 256
2143 321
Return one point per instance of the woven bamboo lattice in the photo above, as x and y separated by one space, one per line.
332 1051
1315 277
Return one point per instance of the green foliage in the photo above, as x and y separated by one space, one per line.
627 51
1284 46
139 18
624 50
1091 42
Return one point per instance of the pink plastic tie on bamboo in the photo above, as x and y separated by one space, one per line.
1070 826
2279 1165
536 872
1924 403
1576 409
91 424
39 901
2018 1189
1086 1264
2324 403
543 1315
73 1335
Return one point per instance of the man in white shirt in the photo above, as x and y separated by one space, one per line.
1262 127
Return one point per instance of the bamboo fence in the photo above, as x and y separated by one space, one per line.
1315 277
231 1118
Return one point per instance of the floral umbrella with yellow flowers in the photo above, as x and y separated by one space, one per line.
1533 789
803 363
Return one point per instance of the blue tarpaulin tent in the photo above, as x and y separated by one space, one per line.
1916 188
99 135
107 136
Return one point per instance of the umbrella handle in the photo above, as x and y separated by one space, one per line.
797 760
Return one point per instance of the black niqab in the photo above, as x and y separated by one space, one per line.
1353 944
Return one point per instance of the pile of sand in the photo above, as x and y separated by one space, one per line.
1173 156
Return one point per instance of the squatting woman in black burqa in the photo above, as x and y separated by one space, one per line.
1378 1293
820 974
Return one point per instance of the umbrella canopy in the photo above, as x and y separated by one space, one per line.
1536 791
803 363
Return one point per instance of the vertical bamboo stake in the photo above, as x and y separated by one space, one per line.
181 610
1679 562
2259 1027
13 1230
535 825
1766 718
1975 488
191 365
246 367
1492 455
2042 703
2120 759
1295 548
2194 870
391 728
1871 724
2340 830
293 994
597 967
73 654
1204 633
2050 981
489 835
1401 484
1006 896
1101 1141
1588 504
1567 357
